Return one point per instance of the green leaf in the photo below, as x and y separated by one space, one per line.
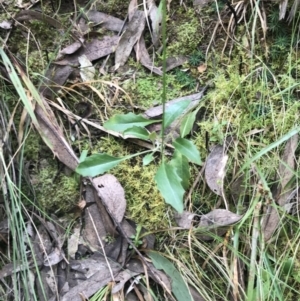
181 164
169 185
98 164
83 155
122 122
137 132
188 123
153 136
188 149
179 287
173 111
147 159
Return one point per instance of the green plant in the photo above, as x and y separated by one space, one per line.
171 177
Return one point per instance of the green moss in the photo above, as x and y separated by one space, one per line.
55 192
116 8
146 91
185 34
144 202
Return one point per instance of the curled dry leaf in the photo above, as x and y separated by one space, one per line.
112 194
156 19
202 68
184 219
129 38
93 49
216 222
215 169
71 48
87 70
219 218
54 257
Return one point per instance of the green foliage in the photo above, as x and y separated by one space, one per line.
98 164
196 58
179 287
185 80
121 123
169 184
168 179
174 111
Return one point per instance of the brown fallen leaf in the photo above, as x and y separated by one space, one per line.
106 21
202 68
129 38
71 48
216 222
156 112
156 17
52 135
144 58
95 271
271 220
219 218
93 50
215 169
112 194
184 219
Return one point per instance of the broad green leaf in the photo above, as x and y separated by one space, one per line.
147 159
169 185
188 123
174 111
98 164
188 149
122 122
179 287
137 132
181 164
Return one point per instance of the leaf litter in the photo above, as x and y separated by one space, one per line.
99 225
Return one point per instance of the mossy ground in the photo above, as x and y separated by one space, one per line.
254 100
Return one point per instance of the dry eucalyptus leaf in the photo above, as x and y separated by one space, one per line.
52 135
132 7
93 49
71 48
87 70
73 241
144 58
184 219
156 19
97 273
215 169
129 38
287 168
5 24
107 21
271 220
54 257
219 218
112 194
173 62
122 278
51 280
